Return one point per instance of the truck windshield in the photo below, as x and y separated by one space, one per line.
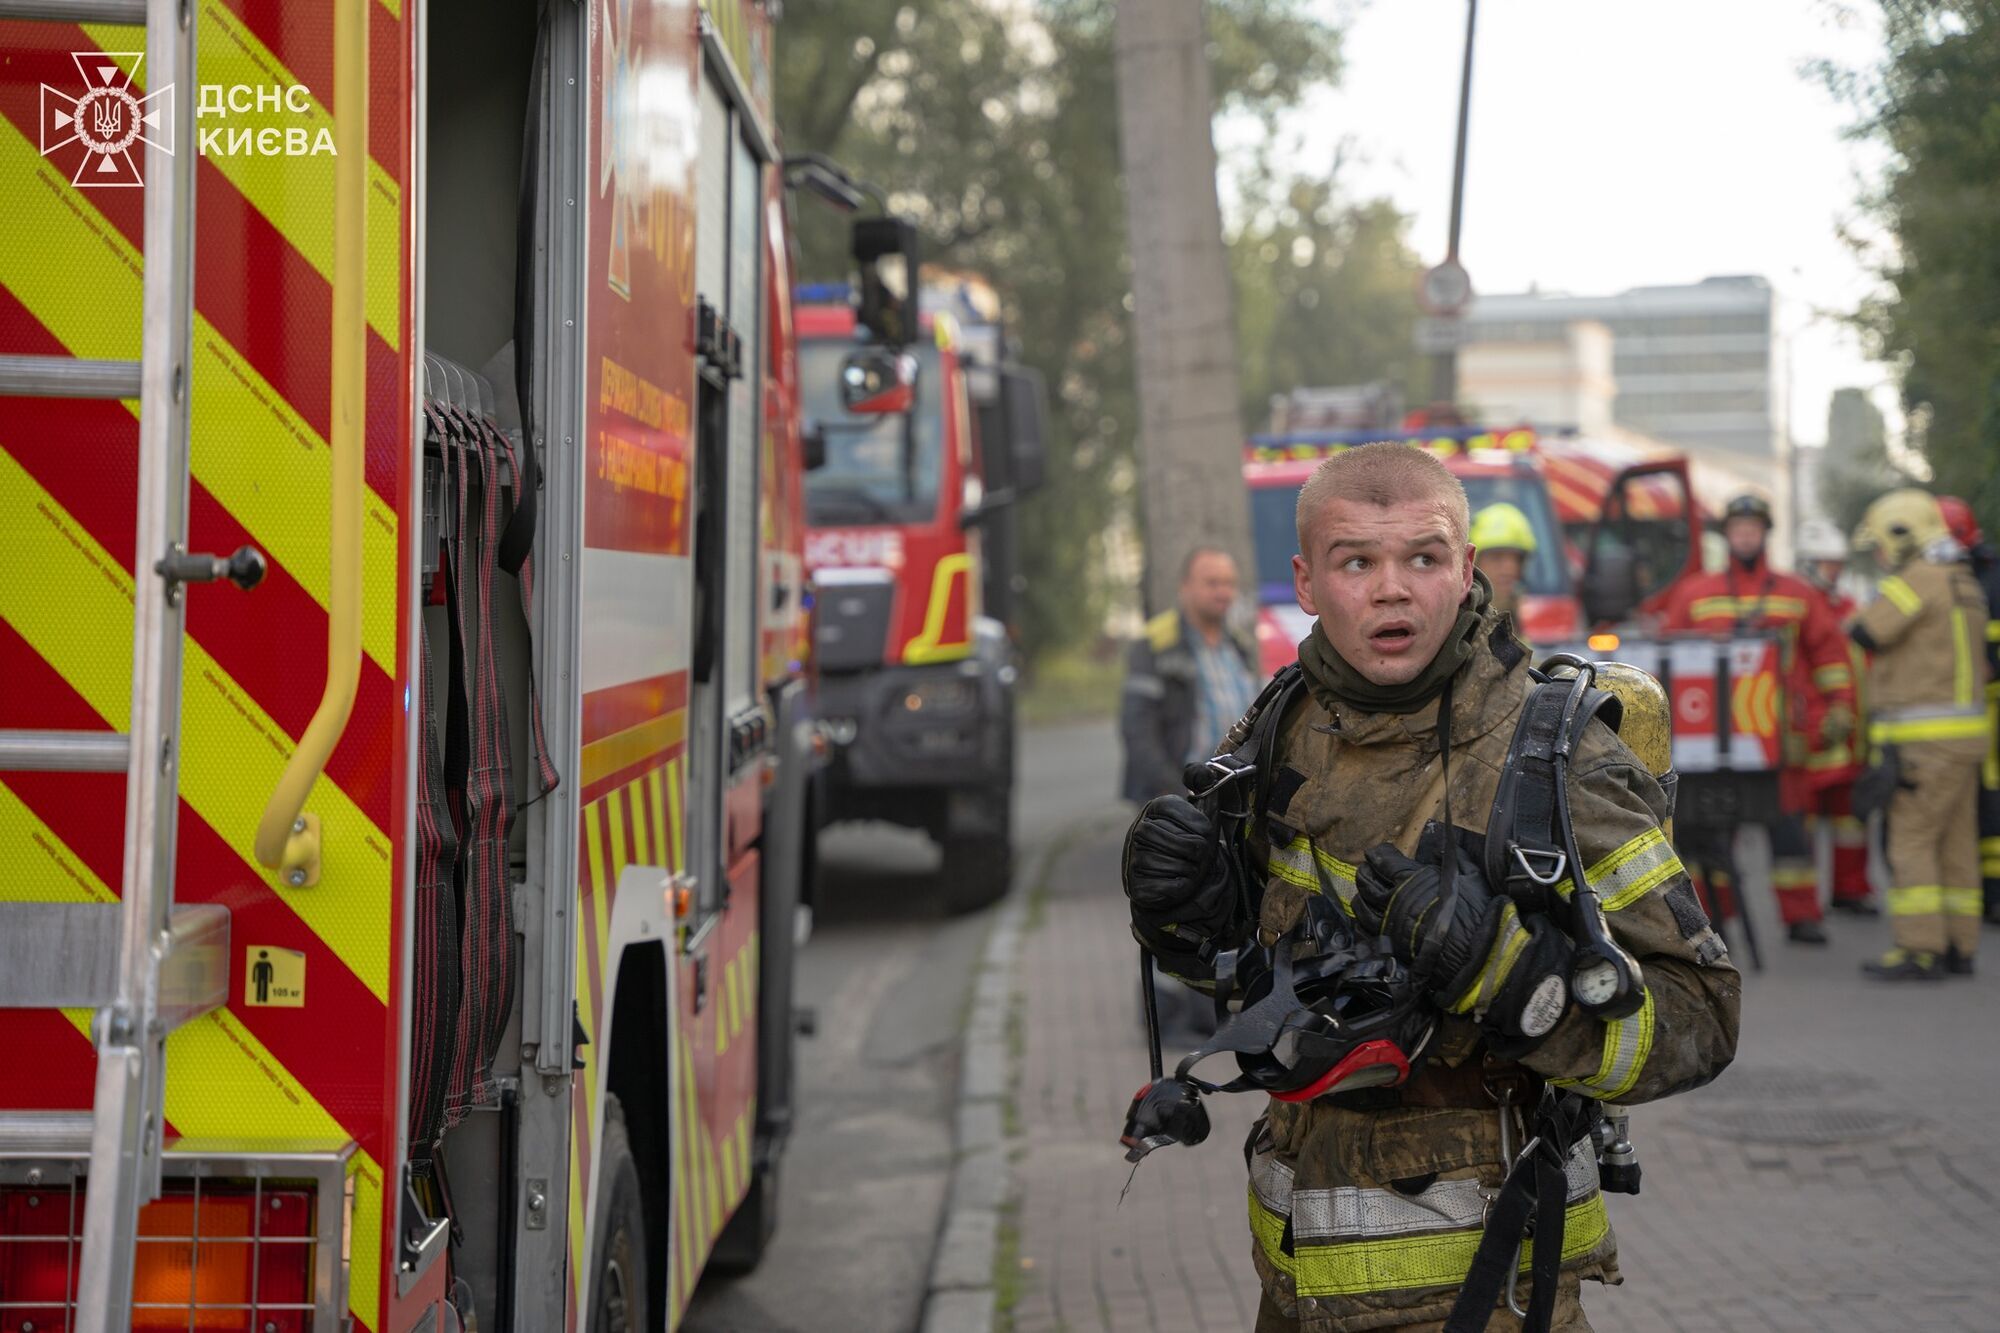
875 471
1274 530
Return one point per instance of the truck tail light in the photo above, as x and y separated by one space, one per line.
227 1256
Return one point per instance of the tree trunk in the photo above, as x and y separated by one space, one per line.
1190 437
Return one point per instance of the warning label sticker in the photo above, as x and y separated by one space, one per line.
274 977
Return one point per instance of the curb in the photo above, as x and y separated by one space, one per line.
961 1297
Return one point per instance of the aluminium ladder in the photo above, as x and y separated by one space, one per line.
144 965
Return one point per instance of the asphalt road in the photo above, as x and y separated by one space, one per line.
888 975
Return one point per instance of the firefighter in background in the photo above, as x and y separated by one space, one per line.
1924 634
1822 553
1985 562
1502 540
1748 596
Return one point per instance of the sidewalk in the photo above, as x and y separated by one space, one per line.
1842 1175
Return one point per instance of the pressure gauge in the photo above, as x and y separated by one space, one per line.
1596 983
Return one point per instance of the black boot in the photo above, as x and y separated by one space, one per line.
1857 906
1806 932
1903 965
1957 964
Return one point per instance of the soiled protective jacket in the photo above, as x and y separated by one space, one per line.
1367 1219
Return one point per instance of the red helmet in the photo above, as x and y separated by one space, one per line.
1959 518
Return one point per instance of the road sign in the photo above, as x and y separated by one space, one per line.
1445 289
1440 334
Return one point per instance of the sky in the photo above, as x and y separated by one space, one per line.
1619 143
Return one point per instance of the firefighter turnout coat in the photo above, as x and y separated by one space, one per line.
1368 1218
1816 670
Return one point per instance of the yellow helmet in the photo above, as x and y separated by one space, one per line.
1900 524
1502 527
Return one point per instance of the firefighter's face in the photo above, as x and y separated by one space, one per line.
1745 535
1209 589
1503 570
1386 582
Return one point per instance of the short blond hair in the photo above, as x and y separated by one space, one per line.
1386 473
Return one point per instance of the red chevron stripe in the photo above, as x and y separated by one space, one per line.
255 288
333 1045
261 638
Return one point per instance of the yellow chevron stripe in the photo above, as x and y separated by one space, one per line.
674 827
635 793
255 454
223 1083
656 813
295 194
622 749
76 611
620 858
684 1190
577 1187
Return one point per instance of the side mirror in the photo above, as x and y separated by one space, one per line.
812 441
1027 425
1611 591
885 251
875 381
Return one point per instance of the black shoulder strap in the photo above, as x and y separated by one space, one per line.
1524 848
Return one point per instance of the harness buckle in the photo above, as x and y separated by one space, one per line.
1527 858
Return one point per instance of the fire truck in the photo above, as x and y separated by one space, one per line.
931 431
402 819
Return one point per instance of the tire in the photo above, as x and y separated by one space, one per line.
747 1237
618 1291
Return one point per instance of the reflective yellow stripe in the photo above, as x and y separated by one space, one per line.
1302 864
1627 1044
1962 902
1901 595
1916 900
1927 729
240 424
224 1084
1993 631
1735 607
76 611
928 645
1632 871
1833 677
1961 657
293 193
1402 1263
1509 938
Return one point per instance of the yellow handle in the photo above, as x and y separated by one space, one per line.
350 401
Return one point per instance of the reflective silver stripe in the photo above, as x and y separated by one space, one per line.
1146 687
1627 1044
1630 873
1928 712
1300 863
1352 1212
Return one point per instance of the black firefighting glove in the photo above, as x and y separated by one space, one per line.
1471 946
1182 885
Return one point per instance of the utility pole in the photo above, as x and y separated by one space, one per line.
1183 326
1447 287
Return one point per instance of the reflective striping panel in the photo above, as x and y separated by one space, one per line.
1627 1044
1631 872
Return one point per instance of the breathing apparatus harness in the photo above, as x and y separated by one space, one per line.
1351 1016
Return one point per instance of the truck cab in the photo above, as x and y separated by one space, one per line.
929 435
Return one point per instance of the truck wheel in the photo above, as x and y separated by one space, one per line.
618 1293
743 1242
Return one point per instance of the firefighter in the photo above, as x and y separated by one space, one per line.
1748 596
1985 562
1926 732
1831 770
1502 540
1366 1206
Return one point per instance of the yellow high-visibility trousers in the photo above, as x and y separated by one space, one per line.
1933 844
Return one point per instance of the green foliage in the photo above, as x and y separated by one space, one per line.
1932 103
1325 292
1855 467
994 126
